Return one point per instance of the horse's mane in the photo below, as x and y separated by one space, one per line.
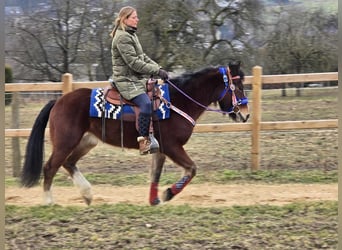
187 77
184 78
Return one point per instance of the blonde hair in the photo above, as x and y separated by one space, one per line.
124 13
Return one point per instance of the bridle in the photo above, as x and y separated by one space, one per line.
228 87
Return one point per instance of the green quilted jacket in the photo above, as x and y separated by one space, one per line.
131 66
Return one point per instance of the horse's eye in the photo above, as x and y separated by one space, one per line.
239 87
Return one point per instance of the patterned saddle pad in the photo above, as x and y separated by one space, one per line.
97 105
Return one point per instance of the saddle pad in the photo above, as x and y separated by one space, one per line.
115 111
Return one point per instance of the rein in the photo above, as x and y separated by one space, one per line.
229 87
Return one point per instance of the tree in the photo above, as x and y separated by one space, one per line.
229 26
169 35
193 34
299 45
48 42
70 35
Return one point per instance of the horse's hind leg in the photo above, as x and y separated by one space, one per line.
50 169
158 160
87 142
68 158
180 157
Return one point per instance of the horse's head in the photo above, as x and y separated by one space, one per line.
233 98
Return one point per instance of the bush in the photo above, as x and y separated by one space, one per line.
8 79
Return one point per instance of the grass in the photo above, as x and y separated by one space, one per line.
218 177
295 226
286 156
320 103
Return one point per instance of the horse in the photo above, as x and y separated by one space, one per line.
73 133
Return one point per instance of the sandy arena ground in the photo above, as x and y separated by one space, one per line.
203 195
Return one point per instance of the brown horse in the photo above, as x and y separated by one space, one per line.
74 133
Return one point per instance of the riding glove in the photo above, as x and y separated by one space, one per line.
163 74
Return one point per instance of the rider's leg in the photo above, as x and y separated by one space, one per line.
144 120
143 139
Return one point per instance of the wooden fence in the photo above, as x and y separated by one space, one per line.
255 126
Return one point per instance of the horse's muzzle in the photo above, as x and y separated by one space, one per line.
243 114
243 118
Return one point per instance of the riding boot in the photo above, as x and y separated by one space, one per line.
146 145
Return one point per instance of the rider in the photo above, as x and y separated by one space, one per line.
131 68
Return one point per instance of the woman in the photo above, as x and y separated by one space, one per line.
131 69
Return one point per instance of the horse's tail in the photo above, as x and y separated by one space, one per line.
35 147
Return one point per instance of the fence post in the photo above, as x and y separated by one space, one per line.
256 117
16 155
67 83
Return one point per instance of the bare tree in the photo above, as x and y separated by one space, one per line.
168 33
48 42
96 52
71 35
229 25
305 44
196 33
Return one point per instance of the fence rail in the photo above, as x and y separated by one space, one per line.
266 79
255 126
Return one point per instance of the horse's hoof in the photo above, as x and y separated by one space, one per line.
48 200
87 200
155 202
167 195
48 203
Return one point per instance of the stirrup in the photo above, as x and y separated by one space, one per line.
154 146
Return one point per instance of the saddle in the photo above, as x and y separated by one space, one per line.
113 96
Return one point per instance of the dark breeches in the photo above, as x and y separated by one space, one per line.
144 103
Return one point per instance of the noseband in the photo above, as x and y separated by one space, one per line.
230 87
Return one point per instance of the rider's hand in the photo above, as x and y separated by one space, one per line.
163 74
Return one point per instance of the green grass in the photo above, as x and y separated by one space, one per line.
47 213
279 176
296 226
218 177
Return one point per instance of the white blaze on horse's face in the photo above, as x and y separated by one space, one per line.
239 102
240 113
243 114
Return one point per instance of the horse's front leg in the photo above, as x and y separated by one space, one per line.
158 160
180 157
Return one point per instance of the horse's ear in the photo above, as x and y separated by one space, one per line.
235 64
